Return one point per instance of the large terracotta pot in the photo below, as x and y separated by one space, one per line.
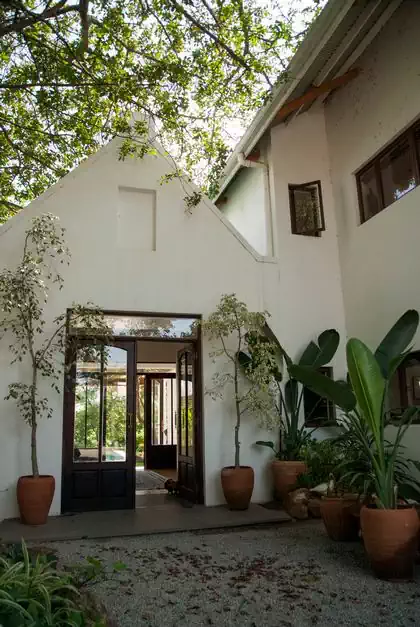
238 485
285 475
339 517
34 496
390 537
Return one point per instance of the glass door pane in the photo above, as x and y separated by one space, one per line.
100 415
87 408
114 410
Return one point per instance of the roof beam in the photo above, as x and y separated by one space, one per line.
313 93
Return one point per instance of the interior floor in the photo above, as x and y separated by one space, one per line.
150 485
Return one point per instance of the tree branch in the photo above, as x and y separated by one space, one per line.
52 12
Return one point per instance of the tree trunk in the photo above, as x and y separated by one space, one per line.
34 452
238 417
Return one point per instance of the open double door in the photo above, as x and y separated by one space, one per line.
99 426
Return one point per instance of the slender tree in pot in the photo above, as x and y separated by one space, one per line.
389 531
229 325
289 460
24 293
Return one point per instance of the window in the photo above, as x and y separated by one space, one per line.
390 175
306 210
319 412
405 385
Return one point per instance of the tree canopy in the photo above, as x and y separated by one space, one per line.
73 71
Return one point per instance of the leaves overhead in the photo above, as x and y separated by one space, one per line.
72 72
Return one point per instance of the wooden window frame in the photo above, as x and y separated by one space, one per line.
292 188
312 422
408 135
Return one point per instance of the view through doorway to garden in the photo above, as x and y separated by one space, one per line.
132 413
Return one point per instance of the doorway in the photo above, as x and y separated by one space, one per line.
132 412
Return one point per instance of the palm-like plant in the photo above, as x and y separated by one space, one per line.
364 401
288 398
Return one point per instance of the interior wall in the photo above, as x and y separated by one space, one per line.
153 351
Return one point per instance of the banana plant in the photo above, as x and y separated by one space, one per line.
294 436
364 401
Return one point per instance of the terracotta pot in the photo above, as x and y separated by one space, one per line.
34 496
285 475
390 537
338 515
238 485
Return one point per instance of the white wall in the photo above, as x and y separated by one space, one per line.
309 297
380 259
247 208
184 264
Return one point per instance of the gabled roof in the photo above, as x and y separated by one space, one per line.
323 62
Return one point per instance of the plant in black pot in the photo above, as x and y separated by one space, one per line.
294 436
24 293
389 529
229 326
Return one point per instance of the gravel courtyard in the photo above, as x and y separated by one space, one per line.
291 575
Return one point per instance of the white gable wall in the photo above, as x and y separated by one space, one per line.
182 264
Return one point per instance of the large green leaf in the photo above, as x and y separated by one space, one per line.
318 355
396 340
337 392
367 382
328 343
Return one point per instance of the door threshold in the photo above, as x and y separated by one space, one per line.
151 491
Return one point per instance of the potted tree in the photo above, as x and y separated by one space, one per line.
389 528
294 436
24 293
230 325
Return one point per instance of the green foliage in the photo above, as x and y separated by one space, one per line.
231 325
287 399
364 401
24 292
33 594
73 71
322 458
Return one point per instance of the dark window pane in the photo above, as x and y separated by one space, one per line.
370 193
397 172
306 209
318 410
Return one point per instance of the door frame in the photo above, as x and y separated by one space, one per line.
68 408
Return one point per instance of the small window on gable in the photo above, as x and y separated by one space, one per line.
319 412
306 210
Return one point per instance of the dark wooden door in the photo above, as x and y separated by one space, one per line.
186 420
99 428
160 425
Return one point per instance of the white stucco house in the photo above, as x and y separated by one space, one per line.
316 222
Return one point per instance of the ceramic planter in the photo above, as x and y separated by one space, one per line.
238 485
339 515
285 474
34 496
390 537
